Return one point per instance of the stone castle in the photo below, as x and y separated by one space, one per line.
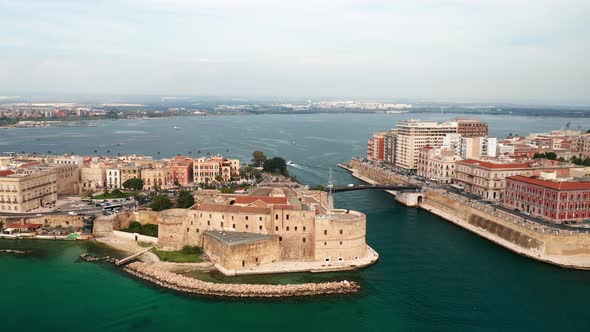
287 225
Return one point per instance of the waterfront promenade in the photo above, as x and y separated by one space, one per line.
555 244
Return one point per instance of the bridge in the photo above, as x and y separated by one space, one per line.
398 188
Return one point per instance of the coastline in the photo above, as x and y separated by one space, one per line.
578 261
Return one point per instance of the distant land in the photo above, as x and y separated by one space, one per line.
17 111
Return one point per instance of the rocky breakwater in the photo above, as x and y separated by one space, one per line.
189 285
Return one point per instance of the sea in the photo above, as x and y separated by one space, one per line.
431 276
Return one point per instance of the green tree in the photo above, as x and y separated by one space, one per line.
161 202
218 178
258 158
135 184
185 199
551 155
276 165
586 162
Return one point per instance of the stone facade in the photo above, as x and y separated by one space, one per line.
245 253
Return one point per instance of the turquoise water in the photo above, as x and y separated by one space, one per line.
432 275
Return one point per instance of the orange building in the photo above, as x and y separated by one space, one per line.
182 170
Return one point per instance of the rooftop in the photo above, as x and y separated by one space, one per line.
487 164
265 199
556 185
235 238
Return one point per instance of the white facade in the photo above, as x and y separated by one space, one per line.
113 178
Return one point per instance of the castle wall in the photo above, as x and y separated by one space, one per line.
340 237
241 256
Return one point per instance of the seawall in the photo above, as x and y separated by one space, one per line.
184 284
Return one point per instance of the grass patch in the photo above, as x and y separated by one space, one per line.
147 229
188 254
144 244
113 195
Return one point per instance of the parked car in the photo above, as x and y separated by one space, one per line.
350 185
72 213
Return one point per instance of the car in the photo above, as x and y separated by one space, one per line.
97 204
72 213
330 186
104 201
128 198
350 185
587 220
516 210
58 209
107 204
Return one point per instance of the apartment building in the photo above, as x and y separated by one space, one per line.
376 147
207 170
437 164
28 189
415 134
113 177
182 170
157 178
472 128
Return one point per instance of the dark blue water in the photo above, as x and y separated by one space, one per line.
432 275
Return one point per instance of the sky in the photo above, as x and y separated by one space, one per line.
521 51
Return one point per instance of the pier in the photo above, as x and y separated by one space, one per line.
132 257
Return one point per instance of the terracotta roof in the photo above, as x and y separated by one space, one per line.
32 163
29 226
6 172
487 164
565 185
232 208
265 199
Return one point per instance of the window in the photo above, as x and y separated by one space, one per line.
208 222
222 224
259 218
296 228
197 230
287 217
340 232
246 226
287 228
303 240
340 242
325 232
233 226
280 238
260 227
276 228
304 228
276 217
187 229
325 243
246 217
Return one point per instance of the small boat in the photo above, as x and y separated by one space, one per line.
293 142
290 163
176 128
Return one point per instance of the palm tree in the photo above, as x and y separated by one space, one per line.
199 152
95 151
72 153
108 151
190 152
158 154
227 150
119 154
49 152
208 153
22 152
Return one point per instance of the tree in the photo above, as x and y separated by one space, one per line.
185 199
161 202
135 184
586 162
218 178
258 158
276 165
551 155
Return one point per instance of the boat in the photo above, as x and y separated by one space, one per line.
290 163
177 128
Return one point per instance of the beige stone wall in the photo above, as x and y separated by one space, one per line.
340 238
68 179
23 193
171 229
50 221
242 256
564 243
373 173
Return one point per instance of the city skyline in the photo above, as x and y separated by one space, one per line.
460 51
